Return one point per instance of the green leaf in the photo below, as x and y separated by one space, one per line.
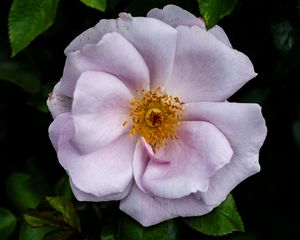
111 4
132 230
23 191
20 71
214 10
21 74
28 19
63 188
65 207
110 229
296 132
7 223
31 233
59 235
106 234
222 220
96 4
283 35
44 219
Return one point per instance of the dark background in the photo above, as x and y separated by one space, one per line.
266 31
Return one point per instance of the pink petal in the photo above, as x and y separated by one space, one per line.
219 33
186 164
205 69
245 129
83 196
105 173
140 161
156 45
150 210
58 103
114 55
92 35
101 105
176 16
56 126
141 157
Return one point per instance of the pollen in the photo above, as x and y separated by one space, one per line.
155 115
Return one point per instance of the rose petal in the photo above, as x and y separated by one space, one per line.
58 103
150 210
176 16
156 45
101 105
205 69
83 196
245 129
219 33
140 161
106 172
141 158
114 55
192 159
92 35
56 126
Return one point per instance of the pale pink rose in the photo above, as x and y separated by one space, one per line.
140 115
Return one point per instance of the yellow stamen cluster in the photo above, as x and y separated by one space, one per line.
155 116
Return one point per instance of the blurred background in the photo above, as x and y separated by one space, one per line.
266 31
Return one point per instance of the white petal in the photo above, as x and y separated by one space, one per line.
56 127
114 55
104 173
83 196
101 105
150 210
245 129
186 165
176 16
58 103
156 45
205 69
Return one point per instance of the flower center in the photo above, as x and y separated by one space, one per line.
155 116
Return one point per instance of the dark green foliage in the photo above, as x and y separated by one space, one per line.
36 32
59 234
65 208
24 190
222 220
20 71
36 218
61 218
214 10
63 188
296 132
97 4
7 223
29 233
21 74
28 19
283 35
131 229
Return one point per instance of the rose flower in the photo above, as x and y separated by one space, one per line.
140 115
